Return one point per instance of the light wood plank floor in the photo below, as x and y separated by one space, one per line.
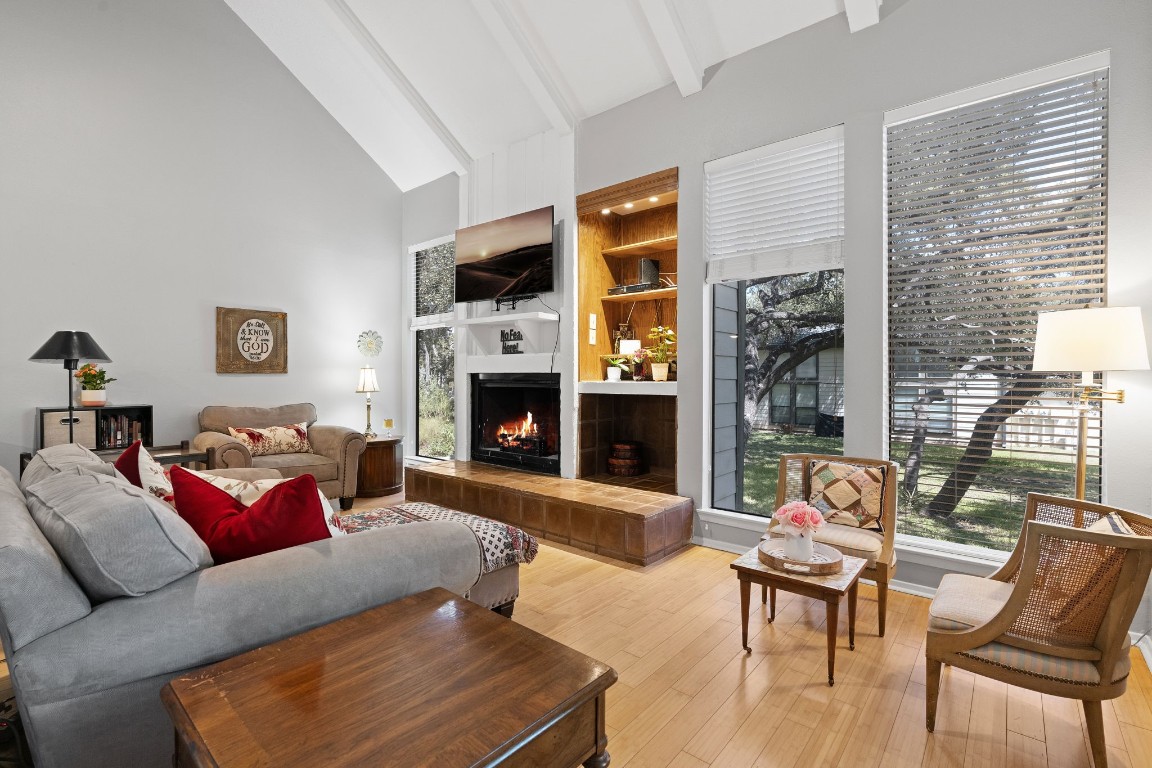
688 696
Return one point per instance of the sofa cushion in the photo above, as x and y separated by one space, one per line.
848 494
285 516
217 418
117 540
49 461
37 593
295 464
270 441
248 492
143 471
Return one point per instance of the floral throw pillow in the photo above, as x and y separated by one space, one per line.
143 471
848 494
290 438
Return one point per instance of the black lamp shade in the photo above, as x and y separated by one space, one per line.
70 345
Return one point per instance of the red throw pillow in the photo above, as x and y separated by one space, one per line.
285 516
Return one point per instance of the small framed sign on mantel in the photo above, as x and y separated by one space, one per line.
251 341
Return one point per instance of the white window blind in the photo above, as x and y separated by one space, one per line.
777 209
996 210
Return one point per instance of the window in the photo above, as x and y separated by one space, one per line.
996 210
774 222
435 349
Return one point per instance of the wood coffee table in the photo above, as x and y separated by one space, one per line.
430 679
830 589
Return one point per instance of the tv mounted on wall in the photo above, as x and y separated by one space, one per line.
506 258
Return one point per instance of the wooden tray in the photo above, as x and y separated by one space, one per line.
825 559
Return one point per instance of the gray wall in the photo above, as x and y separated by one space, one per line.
823 76
158 161
431 211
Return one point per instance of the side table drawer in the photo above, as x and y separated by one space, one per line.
54 428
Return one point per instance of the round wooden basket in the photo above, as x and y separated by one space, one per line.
825 559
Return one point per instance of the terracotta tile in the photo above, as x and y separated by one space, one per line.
653 536
582 525
532 514
470 498
634 545
610 534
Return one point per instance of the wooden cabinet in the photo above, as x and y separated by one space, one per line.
381 471
618 227
98 428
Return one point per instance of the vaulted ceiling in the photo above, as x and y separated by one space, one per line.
426 86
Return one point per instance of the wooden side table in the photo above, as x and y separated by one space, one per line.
381 471
830 589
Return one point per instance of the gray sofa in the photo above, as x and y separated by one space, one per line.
335 453
87 671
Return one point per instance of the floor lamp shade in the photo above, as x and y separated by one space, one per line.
1086 340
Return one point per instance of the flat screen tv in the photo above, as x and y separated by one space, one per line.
506 258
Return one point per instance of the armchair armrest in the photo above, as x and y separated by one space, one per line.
225 610
230 452
337 443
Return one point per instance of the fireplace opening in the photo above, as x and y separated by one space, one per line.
516 420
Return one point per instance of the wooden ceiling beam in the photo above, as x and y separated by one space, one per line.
675 46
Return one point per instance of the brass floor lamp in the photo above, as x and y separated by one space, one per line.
1090 340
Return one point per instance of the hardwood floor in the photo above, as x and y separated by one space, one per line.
688 696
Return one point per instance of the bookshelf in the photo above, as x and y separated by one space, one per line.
98 428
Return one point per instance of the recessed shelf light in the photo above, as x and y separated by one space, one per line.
627 205
605 211
654 199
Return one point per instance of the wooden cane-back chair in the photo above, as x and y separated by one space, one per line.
1055 617
876 547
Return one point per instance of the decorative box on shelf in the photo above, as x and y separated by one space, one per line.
98 428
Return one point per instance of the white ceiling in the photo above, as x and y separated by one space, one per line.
426 86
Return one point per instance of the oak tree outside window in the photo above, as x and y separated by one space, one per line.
995 211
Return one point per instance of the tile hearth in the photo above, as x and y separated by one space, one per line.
625 523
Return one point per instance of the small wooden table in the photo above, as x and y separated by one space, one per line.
381 469
830 589
431 679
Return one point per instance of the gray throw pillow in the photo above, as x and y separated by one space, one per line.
117 540
49 461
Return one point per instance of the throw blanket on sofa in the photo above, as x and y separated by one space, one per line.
502 544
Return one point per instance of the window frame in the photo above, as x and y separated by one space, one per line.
410 366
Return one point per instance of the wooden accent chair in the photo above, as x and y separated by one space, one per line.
1055 617
876 547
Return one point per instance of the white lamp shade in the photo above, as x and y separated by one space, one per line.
368 380
1099 339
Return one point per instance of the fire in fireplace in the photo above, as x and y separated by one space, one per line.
516 420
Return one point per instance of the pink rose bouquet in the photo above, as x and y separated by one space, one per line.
798 517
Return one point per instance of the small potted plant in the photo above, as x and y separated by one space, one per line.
661 352
617 365
798 519
93 381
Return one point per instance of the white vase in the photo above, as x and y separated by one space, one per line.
93 397
798 546
659 371
613 373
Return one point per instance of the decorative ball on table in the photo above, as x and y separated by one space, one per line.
798 519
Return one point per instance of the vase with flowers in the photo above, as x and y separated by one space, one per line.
799 520
93 383
661 352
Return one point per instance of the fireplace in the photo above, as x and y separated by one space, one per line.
516 420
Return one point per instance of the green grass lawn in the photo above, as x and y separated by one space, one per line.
989 515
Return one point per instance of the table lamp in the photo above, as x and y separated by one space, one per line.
368 385
1089 340
69 347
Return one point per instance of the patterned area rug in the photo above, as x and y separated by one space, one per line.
501 544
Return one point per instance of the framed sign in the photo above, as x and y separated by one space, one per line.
251 341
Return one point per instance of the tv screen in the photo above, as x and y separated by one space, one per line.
505 258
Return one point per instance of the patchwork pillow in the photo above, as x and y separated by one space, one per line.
290 438
117 540
848 494
248 492
287 515
143 471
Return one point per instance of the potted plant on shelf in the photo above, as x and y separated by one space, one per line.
661 352
617 365
93 380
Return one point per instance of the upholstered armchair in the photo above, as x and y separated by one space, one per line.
861 494
333 458
1055 617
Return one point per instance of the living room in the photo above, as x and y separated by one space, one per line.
162 161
